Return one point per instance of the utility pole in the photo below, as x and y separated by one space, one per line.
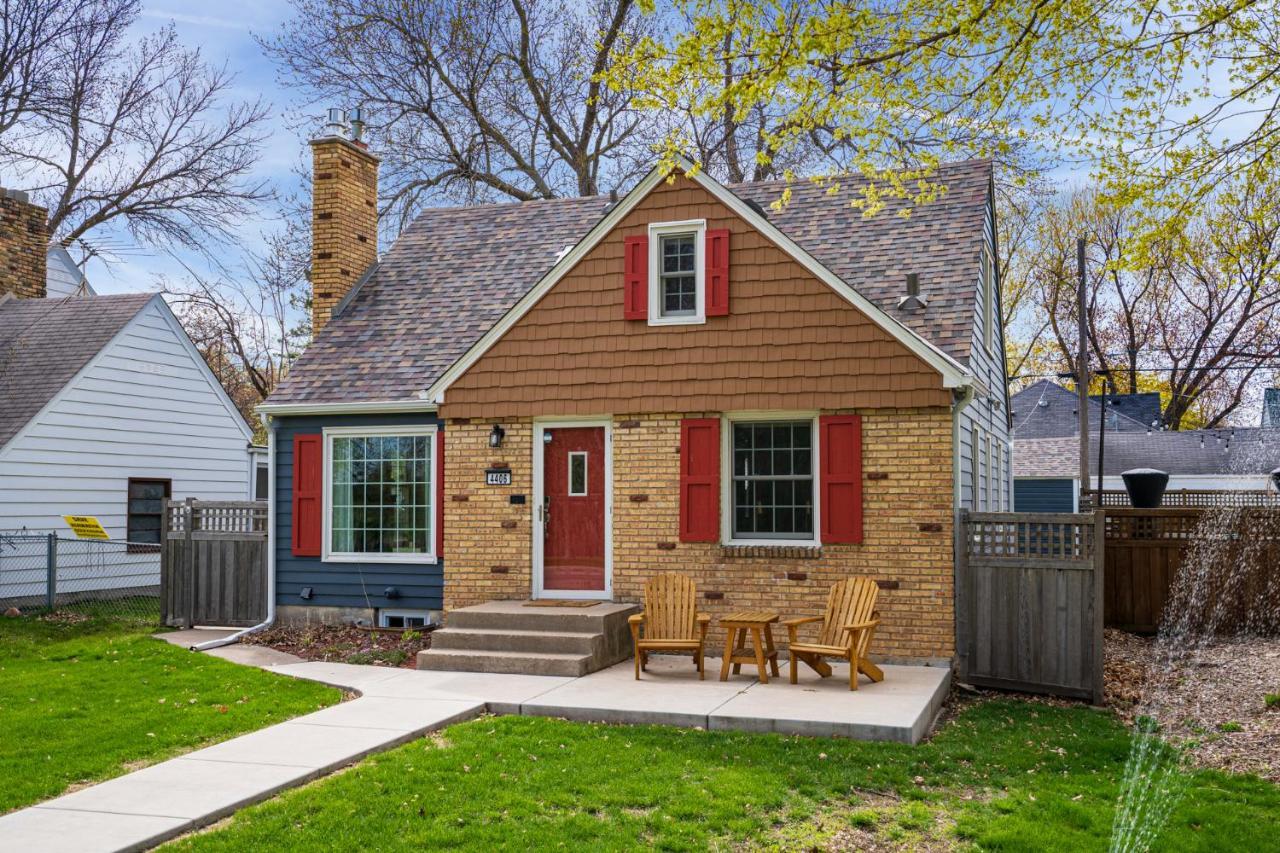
1082 368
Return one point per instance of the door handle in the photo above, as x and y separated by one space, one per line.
544 513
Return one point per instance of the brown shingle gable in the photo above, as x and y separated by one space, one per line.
456 271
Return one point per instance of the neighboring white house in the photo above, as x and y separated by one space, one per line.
106 408
62 277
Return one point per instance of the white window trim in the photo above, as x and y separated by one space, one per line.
657 231
726 478
328 556
586 475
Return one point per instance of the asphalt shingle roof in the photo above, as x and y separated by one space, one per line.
1224 452
1047 410
45 342
455 272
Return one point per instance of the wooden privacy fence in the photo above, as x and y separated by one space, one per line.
1234 584
1029 603
213 566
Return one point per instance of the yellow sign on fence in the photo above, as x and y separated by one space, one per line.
86 527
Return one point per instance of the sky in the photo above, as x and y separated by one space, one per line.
226 35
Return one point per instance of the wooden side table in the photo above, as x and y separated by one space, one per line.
736 626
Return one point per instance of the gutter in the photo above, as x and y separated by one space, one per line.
271 550
371 406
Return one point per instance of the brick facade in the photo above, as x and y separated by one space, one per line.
908 499
344 222
24 241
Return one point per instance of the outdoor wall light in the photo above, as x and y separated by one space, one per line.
1275 479
496 435
546 437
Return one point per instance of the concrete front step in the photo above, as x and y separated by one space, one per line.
511 637
522 663
555 642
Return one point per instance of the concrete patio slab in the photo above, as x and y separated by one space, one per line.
669 693
901 708
51 830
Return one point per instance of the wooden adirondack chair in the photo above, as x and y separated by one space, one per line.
847 628
670 622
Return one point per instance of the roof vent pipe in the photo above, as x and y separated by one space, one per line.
913 300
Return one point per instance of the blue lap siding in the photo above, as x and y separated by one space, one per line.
420 585
1047 495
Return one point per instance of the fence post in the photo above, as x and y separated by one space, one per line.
1099 599
962 594
51 569
188 564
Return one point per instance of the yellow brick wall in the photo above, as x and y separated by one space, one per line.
24 240
487 539
907 544
344 222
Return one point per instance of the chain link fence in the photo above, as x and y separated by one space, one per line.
54 575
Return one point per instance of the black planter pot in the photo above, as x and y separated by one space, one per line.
1145 487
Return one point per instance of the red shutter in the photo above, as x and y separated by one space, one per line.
439 497
700 480
308 483
840 477
635 280
717 261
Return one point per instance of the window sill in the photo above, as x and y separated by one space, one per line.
677 321
787 552
379 558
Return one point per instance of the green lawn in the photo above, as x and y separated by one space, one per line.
1004 775
87 701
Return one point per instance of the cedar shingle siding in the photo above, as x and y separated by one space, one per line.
789 341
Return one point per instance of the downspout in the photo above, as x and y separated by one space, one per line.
271 548
961 658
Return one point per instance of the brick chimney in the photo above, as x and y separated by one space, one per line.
344 213
24 241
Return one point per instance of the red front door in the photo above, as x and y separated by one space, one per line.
573 504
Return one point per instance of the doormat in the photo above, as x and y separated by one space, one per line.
563 602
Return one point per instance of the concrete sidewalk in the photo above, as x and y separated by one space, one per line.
149 806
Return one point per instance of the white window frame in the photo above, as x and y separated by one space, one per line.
424 615
586 475
658 230
726 478
329 556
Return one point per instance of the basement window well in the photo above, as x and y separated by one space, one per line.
403 619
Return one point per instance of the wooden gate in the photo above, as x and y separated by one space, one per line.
213 568
1029 606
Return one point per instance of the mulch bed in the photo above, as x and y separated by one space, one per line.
346 644
1214 697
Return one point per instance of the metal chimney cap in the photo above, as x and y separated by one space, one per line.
337 124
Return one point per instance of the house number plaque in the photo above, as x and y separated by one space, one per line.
497 477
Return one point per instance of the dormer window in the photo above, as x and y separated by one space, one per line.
677 273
